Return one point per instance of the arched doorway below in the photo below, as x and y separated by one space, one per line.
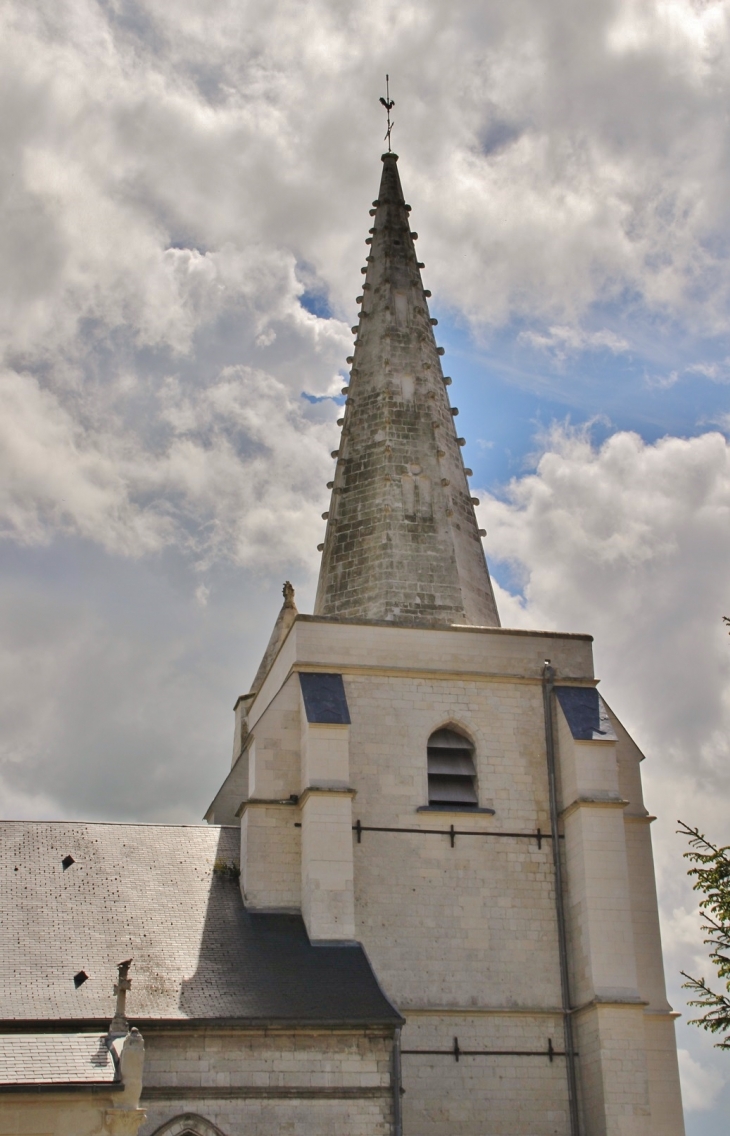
189 1124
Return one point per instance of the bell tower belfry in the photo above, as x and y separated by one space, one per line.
453 795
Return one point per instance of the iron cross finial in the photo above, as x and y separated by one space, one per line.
388 104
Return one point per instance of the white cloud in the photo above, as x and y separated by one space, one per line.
564 341
96 670
19 805
718 371
237 474
164 173
700 1086
54 475
663 382
247 467
688 32
571 174
631 541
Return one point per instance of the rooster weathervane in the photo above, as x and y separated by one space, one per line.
388 104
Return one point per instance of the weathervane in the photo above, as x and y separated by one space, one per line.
388 104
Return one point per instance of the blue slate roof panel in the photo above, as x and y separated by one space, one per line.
324 697
586 713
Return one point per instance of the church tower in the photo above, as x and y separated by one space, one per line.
453 796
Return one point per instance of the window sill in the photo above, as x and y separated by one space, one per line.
466 810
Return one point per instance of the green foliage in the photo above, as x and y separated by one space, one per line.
712 879
227 869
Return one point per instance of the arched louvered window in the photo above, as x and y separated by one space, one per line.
452 777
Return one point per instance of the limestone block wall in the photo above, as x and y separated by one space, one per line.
642 883
66 1114
665 1098
265 1082
328 905
659 1036
271 857
274 761
628 1069
599 908
325 755
472 925
614 1073
494 1095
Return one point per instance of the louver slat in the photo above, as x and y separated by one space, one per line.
451 790
452 762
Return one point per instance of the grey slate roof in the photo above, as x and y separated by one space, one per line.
150 892
586 713
324 698
55 1059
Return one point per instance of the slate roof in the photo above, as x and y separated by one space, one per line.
150 892
55 1059
586 713
324 698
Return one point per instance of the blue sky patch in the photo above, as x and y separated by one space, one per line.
316 303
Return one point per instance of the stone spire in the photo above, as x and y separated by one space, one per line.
402 540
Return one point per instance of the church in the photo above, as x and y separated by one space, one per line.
423 901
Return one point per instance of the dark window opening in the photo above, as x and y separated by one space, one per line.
67 862
80 978
452 776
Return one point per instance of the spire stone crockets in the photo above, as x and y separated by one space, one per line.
402 540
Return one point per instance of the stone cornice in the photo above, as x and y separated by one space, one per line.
441 675
629 1003
594 803
267 803
317 791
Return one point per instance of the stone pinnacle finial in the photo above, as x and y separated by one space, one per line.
403 542
284 620
119 1023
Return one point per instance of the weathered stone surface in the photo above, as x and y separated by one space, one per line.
402 539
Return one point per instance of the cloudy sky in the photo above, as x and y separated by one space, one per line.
185 191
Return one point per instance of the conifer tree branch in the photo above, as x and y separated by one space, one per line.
712 878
